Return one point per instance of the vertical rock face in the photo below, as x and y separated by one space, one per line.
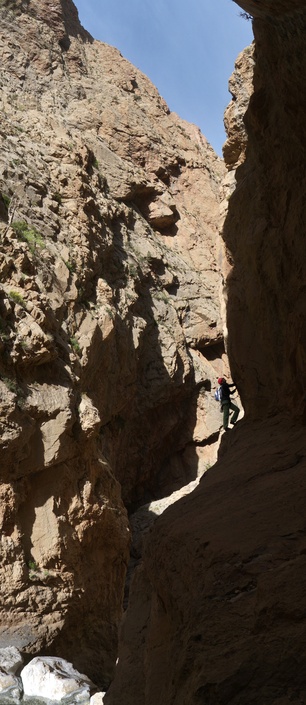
241 88
216 611
110 328
264 227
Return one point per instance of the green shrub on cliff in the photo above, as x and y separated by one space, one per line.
75 345
28 234
5 199
17 298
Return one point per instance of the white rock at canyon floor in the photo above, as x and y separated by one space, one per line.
10 661
97 699
55 679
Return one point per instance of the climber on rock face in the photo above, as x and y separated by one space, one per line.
226 403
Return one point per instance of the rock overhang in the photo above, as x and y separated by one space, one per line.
270 8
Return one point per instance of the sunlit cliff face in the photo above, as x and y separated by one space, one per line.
111 335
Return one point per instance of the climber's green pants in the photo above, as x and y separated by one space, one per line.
226 407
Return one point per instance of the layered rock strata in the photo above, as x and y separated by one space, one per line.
111 334
217 610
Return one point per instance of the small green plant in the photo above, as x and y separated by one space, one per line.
32 565
95 163
133 271
28 234
161 296
57 197
75 345
17 298
36 573
70 266
6 200
110 312
24 344
81 294
11 384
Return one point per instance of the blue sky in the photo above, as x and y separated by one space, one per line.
186 47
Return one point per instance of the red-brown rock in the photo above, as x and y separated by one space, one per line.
111 332
221 592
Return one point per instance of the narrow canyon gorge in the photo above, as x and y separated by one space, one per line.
159 555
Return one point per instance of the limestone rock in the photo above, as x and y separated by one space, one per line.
10 688
54 679
10 659
89 417
97 699
10 684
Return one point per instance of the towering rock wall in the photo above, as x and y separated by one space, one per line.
264 228
216 611
110 332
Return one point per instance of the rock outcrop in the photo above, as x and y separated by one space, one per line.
216 612
111 332
241 88
56 680
263 230
47 679
10 683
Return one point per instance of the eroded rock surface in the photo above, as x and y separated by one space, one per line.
216 611
111 329
10 683
55 679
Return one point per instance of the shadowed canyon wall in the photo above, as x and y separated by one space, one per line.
217 609
111 333
264 230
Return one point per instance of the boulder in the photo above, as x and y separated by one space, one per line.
10 685
55 679
97 699
10 659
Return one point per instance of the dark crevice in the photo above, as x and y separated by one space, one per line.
212 439
212 352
